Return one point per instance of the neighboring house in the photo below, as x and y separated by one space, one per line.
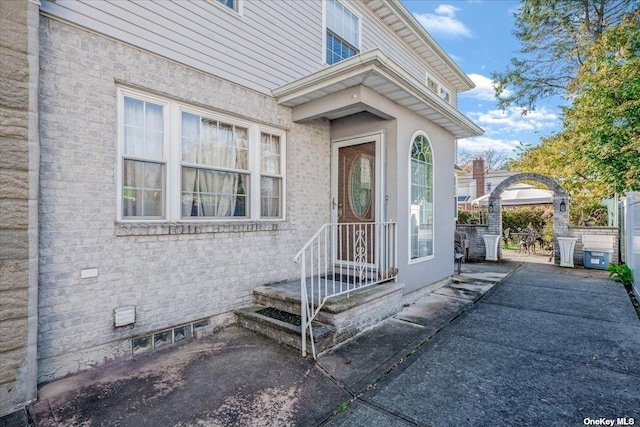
171 156
478 182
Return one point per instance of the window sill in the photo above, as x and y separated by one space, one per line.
174 228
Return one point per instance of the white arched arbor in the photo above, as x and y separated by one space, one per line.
560 206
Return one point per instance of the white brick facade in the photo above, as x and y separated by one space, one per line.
172 273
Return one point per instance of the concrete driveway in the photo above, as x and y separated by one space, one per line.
545 346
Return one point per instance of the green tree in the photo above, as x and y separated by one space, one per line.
554 36
597 153
604 121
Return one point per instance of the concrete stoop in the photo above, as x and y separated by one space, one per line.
339 319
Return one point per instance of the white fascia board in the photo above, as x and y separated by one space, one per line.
410 21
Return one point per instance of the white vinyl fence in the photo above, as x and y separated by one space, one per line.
631 211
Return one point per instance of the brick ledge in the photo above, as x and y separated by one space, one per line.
155 229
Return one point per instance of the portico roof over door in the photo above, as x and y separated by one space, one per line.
367 74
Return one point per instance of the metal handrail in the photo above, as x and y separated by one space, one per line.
339 259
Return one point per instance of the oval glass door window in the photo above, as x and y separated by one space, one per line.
360 188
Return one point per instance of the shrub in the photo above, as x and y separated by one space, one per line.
583 211
464 217
517 219
620 273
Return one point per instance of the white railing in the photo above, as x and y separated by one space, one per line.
339 259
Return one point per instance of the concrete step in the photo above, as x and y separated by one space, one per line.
285 332
339 319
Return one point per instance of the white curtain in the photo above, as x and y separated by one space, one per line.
270 186
143 137
208 192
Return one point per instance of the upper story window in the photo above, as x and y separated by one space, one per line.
439 89
179 163
432 84
342 32
231 4
421 198
445 95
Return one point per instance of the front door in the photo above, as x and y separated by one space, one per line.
356 199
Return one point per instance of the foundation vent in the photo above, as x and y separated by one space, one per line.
123 316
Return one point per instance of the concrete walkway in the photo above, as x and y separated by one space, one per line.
546 346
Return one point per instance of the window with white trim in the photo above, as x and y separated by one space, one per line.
178 163
445 95
231 4
438 89
144 164
342 32
432 84
421 198
271 176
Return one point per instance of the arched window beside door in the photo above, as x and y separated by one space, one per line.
421 198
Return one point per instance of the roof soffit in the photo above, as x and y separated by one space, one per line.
400 20
379 73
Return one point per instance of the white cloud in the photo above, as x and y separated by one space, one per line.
483 90
443 22
447 9
512 121
481 144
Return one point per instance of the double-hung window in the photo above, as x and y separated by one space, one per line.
271 175
144 158
177 163
214 169
342 32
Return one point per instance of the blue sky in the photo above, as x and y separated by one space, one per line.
477 34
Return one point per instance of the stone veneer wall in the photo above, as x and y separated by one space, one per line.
172 273
19 162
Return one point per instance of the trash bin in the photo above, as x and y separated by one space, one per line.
595 259
597 251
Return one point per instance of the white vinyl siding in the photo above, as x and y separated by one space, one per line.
274 42
249 51
178 163
375 34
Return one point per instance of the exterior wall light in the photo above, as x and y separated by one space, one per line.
563 206
490 207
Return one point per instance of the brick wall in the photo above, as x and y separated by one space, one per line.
578 232
19 148
476 241
477 249
172 274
